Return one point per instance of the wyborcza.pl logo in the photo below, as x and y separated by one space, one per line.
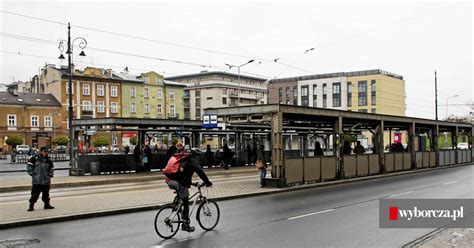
426 213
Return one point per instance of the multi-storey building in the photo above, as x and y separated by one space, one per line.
96 93
34 117
150 96
219 89
373 91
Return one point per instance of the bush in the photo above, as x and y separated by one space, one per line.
14 140
100 141
60 141
134 140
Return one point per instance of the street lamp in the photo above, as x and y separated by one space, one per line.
70 47
238 67
447 106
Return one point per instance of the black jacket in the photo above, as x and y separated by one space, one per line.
187 168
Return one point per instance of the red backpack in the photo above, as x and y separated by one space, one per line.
172 168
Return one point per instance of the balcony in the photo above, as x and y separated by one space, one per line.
233 94
187 105
87 114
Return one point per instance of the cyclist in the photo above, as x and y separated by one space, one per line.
181 181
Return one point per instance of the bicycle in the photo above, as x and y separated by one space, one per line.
168 219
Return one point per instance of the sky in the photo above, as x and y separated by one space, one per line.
408 38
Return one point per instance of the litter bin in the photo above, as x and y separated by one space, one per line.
95 168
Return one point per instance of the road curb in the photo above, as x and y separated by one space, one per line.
153 206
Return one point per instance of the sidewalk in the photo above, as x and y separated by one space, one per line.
456 237
133 192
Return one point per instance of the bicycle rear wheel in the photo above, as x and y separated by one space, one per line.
208 214
167 221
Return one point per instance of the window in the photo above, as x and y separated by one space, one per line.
373 111
100 106
146 80
280 92
86 105
114 107
159 109
159 94
113 91
48 121
11 120
304 90
287 92
325 96
349 94
86 89
133 107
145 92
373 89
146 108
100 90
171 94
132 92
315 101
224 91
67 88
295 91
363 110
224 100
172 111
336 94
34 121
362 85
197 93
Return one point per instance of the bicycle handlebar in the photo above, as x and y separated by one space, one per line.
198 185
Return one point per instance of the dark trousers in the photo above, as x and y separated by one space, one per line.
35 192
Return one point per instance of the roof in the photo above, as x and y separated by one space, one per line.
128 77
207 73
28 99
336 74
171 83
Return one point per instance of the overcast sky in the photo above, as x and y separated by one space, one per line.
406 38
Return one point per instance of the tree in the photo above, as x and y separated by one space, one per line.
60 141
133 140
100 141
14 140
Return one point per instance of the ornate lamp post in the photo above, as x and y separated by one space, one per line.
82 43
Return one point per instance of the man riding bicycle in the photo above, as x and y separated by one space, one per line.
181 181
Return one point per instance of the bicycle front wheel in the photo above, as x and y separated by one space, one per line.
167 221
208 215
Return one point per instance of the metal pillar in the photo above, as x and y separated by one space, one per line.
337 135
435 144
455 143
380 147
412 134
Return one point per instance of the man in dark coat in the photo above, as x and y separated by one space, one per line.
41 170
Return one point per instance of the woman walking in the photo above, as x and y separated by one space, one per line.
261 164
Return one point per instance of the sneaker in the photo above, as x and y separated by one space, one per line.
187 228
31 208
48 207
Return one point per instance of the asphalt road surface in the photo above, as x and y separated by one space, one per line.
336 216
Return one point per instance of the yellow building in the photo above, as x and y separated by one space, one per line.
376 91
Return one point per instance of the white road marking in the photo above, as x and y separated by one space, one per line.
306 215
404 193
448 183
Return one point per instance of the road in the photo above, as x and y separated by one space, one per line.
338 216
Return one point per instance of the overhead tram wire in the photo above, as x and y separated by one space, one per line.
158 41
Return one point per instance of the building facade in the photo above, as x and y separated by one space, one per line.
219 89
96 93
34 117
372 91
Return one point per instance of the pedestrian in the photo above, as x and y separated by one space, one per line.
209 156
226 156
249 155
318 151
147 158
137 156
41 170
261 164
346 149
126 149
254 153
359 149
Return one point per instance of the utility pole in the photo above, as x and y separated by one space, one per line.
436 95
